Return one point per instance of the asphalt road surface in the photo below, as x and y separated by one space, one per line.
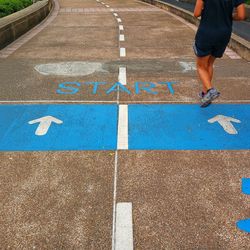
103 143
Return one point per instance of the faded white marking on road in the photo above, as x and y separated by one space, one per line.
69 68
115 14
231 54
56 101
112 10
44 124
122 140
122 76
121 27
107 6
226 123
124 226
119 20
122 52
187 66
121 38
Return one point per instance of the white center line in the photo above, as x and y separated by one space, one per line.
122 140
122 76
112 10
124 226
122 52
119 20
107 6
121 38
114 200
121 27
115 14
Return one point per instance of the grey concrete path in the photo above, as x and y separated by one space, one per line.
67 199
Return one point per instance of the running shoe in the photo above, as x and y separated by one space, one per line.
211 95
201 94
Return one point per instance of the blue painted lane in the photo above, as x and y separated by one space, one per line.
189 127
58 127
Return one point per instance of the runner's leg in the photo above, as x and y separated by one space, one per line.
211 66
203 72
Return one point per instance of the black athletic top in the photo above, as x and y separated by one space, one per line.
216 22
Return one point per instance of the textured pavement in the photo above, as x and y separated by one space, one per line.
182 199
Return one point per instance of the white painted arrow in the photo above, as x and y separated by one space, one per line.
44 125
226 123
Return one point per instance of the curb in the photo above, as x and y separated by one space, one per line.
238 44
16 24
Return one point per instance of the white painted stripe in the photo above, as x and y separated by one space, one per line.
115 14
124 226
122 140
119 20
121 38
114 199
55 101
121 27
122 52
107 6
122 76
112 10
123 102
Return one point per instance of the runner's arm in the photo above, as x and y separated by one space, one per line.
198 8
240 13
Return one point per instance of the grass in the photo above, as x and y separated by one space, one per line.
8 7
248 2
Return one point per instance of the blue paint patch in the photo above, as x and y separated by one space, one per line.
246 186
186 127
85 127
244 225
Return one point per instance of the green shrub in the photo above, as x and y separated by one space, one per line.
248 2
8 7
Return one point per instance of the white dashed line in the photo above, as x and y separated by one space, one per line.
122 52
115 14
124 226
122 76
121 27
119 20
112 10
122 140
121 38
107 6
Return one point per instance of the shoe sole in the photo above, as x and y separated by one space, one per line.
205 104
